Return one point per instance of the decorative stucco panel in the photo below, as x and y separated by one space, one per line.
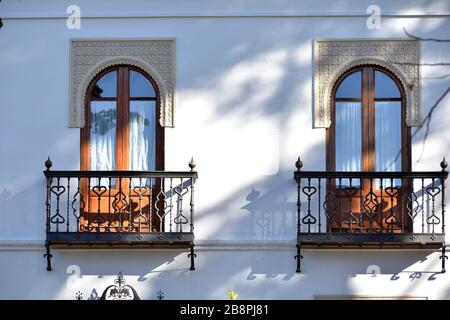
332 58
89 57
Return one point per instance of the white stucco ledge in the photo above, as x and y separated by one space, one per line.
200 245
38 245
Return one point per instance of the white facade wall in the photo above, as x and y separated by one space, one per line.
243 111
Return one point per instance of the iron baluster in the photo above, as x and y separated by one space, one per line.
371 208
329 206
89 205
350 206
77 205
444 167
443 256
371 205
402 219
192 165
423 205
191 204
163 203
68 204
361 208
180 219
352 191
319 202
98 190
171 205
299 206
412 206
129 205
140 217
309 191
298 256
48 202
109 204
392 220
381 206
48 255
57 218
150 205
433 219
340 204
140 203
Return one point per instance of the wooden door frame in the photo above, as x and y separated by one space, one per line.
122 130
367 125
122 104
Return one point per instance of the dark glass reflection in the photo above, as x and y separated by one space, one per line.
385 87
106 86
350 87
140 86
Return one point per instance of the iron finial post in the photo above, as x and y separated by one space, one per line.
299 164
444 164
48 163
192 164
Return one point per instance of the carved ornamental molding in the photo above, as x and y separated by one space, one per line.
332 58
89 57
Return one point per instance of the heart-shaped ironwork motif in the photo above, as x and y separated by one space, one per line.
433 219
58 190
99 190
181 191
391 191
140 190
181 219
309 191
391 220
57 219
433 191
309 219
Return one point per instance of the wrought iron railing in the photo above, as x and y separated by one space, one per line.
370 209
116 208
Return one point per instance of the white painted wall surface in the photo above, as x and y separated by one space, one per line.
243 110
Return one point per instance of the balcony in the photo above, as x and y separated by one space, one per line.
110 209
370 210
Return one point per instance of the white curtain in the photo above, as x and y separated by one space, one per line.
388 138
348 139
142 138
102 138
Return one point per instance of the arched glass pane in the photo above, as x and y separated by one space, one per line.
350 87
102 137
142 138
385 87
348 139
140 86
388 138
106 86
